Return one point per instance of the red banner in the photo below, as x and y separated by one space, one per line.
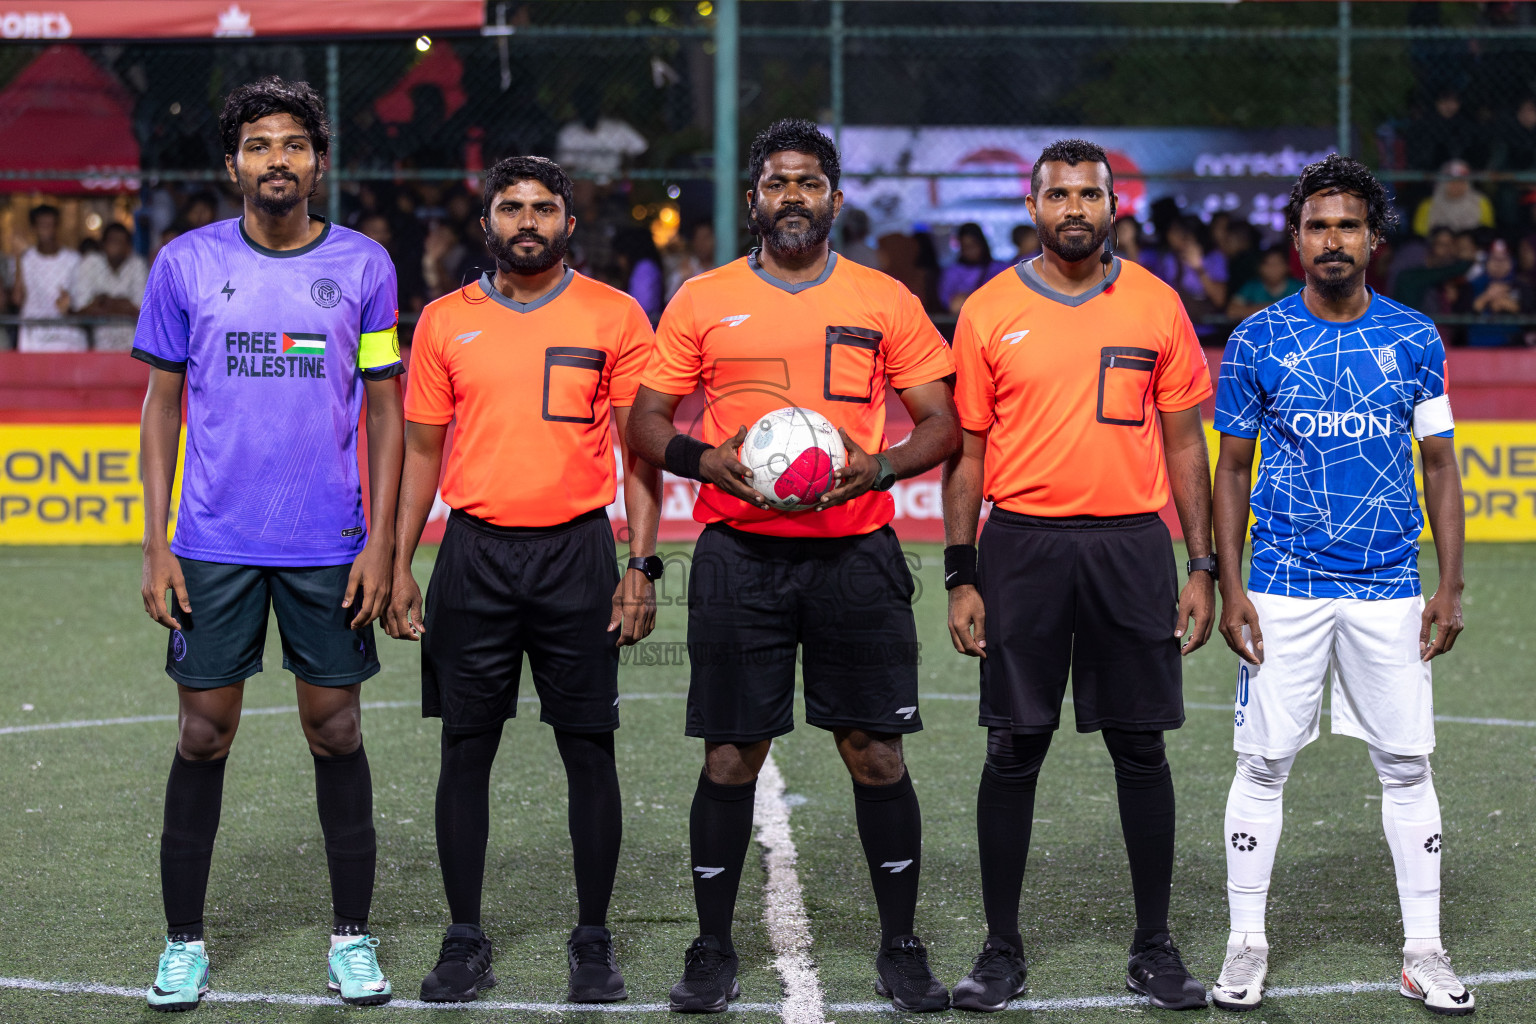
230 19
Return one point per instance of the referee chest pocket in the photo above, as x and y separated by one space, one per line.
853 362
1125 377
571 380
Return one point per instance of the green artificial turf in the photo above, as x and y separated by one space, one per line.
79 890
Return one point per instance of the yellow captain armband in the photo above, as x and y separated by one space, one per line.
379 351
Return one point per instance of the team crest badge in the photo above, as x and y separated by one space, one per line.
325 292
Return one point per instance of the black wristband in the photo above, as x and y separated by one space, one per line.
959 566
683 454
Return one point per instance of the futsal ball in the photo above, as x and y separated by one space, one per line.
792 454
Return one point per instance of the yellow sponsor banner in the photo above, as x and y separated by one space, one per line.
71 484
80 483
1498 478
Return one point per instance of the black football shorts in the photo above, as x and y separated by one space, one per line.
500 592
843 605
1096 595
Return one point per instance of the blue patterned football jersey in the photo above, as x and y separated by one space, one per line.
1336 407
276 346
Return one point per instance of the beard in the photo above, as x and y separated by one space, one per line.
279 206
1074 250
789 244
537 262
1334 287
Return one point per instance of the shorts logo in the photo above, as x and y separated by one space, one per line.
897 866
1237 718
1244 842
325 292
178 645
708 872
907 713
1432 844
352 531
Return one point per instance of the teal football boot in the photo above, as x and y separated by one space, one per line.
355 974
181 979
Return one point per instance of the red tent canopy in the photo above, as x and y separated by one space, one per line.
65 112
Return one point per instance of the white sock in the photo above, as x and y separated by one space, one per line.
1253 821
1410 816
342 940
1413 949
1236 941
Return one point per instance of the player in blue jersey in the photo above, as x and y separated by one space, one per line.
1338 381
276 324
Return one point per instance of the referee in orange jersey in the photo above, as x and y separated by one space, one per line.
793 324
528 363
1079 384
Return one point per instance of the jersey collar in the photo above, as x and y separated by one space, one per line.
1302 310
1032 280
793 289
488 285
283 254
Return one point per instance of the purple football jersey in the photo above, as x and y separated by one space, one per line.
275 346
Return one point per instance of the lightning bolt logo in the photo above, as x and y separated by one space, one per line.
227 292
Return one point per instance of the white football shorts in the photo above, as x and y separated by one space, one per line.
1381 690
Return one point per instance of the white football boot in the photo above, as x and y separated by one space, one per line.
1428 978
1241 985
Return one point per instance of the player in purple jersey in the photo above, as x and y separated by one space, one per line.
276 324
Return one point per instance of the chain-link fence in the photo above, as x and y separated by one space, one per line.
1208 112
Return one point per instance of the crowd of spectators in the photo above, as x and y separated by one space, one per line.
99 280
1457 253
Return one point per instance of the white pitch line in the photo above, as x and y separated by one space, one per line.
1457 719
86 723
1037 1005
789 927
284 709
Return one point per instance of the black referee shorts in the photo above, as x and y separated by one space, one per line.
843 604
1096 595
498 592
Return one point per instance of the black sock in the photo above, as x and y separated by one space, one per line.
595 819
344 798
194 795
719 829
891 829
1145 787
1005 811
464 818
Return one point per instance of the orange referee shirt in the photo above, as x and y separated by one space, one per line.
758 344
531 385
1070 387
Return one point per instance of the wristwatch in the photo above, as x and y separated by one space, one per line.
886 475
1201 564
651 565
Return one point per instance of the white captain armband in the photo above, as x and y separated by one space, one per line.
1432 417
